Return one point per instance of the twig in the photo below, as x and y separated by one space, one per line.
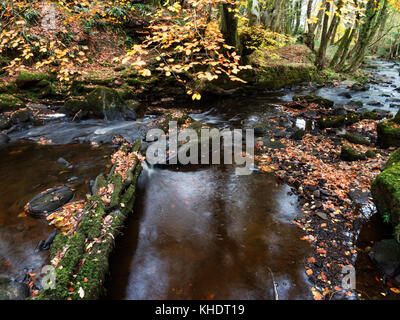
76 114
276 297
80 219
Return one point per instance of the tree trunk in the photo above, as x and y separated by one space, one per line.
229 25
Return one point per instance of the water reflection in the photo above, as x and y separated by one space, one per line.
210 234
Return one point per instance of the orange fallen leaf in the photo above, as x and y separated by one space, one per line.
311 260
309 272
395 290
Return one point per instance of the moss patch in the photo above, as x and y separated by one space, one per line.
388 134
386 189
9 102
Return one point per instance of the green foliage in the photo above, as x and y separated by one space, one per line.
386 217
256 37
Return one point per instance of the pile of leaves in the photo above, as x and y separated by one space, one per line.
314 169
66 218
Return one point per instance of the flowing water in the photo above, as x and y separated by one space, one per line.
27 169
197 232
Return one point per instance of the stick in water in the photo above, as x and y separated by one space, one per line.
274 283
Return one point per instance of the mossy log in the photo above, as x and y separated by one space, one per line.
81 259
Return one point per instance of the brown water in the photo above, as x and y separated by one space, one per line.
206 233
27 169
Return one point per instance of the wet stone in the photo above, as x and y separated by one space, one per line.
12 290
385 254
50 200
3 139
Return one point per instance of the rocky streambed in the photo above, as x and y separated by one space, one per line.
202 232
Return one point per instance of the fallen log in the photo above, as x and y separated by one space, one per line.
81 257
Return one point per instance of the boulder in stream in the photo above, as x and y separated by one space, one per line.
385 254
102 102
389 132
322 102
12 290
49 200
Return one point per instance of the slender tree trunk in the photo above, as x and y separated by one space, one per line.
229 25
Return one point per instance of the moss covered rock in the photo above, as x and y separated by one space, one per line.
259 129
77 106
356 139
315 99
342 120
388 134
9 102
349 154
386 189
27 79
105 102
280 76
35 85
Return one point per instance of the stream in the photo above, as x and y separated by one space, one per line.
197 232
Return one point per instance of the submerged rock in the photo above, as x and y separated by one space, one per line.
360 87
385 254
4 139
49 200
12 290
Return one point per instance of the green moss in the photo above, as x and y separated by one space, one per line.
349 154
280 76
27 79
347 119
356 139
386 192
103 101
116 180
370 153
394 159
9 103
74 105
388 134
